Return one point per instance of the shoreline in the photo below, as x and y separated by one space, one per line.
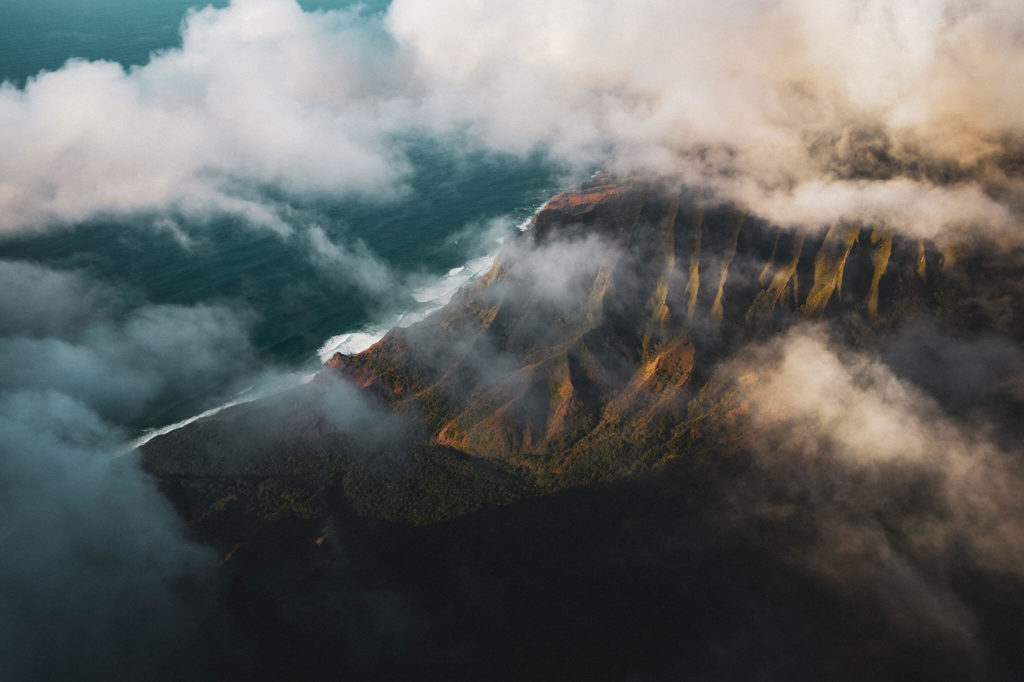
433 296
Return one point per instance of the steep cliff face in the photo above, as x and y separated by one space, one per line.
573 377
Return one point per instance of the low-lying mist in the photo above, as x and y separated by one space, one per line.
99 580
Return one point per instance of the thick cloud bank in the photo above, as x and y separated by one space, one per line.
260 93
98 581
804 111
895 112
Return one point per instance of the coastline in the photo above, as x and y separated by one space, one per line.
433 297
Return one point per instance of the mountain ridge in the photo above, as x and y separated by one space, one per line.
709 280
593 375
582 459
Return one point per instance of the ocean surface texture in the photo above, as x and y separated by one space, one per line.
411 252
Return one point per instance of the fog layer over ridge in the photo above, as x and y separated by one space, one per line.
803 111
883 111
904 499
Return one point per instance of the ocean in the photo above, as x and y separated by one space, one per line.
433 237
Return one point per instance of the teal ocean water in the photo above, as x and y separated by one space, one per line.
295 306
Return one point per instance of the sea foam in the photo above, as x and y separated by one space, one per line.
248 395
432 297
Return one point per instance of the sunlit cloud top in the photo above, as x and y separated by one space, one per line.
805 112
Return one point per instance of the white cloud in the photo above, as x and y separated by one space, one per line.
260 92
757 98
781 105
